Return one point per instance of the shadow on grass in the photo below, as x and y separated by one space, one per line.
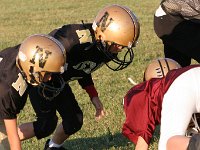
99 143
107 141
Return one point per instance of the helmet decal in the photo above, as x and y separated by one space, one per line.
161 69
31 71
40 53
103 20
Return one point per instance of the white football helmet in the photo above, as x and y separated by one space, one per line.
158 68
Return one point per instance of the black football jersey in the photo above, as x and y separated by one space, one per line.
13 87
83 56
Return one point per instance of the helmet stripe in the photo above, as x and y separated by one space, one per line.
167 64
161 67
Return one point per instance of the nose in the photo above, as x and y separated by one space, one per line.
115 48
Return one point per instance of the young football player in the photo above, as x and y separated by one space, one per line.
170 101
114 31
32 63
177 24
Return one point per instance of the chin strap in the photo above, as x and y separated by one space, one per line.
20 68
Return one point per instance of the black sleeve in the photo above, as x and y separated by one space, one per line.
7 107
10 102
64 36
86 81
52 33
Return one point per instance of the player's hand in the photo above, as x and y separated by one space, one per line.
99 108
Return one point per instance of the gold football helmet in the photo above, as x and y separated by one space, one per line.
116 25
41 55
158 68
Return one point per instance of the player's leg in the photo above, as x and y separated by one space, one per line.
180 37
163 27
179 103
181 58
176 143
72 118
183 43
46 119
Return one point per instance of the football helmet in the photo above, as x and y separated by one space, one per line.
158 68
116 25
41 55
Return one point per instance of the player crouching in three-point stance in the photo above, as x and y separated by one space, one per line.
109 40
169 101
29 64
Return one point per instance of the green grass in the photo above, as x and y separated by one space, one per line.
21 18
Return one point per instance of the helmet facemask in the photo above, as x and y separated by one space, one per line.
52 88
119 60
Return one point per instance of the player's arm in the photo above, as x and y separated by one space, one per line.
93 94
141 144
11 129
87 84
139 126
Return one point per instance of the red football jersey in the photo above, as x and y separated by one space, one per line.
143 104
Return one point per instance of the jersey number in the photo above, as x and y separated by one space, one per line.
84 36
20 85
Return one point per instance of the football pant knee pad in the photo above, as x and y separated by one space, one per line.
194 142
43 127
71 127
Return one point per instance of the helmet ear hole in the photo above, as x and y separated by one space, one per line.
158 68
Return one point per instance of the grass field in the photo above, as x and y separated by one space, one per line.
21 18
